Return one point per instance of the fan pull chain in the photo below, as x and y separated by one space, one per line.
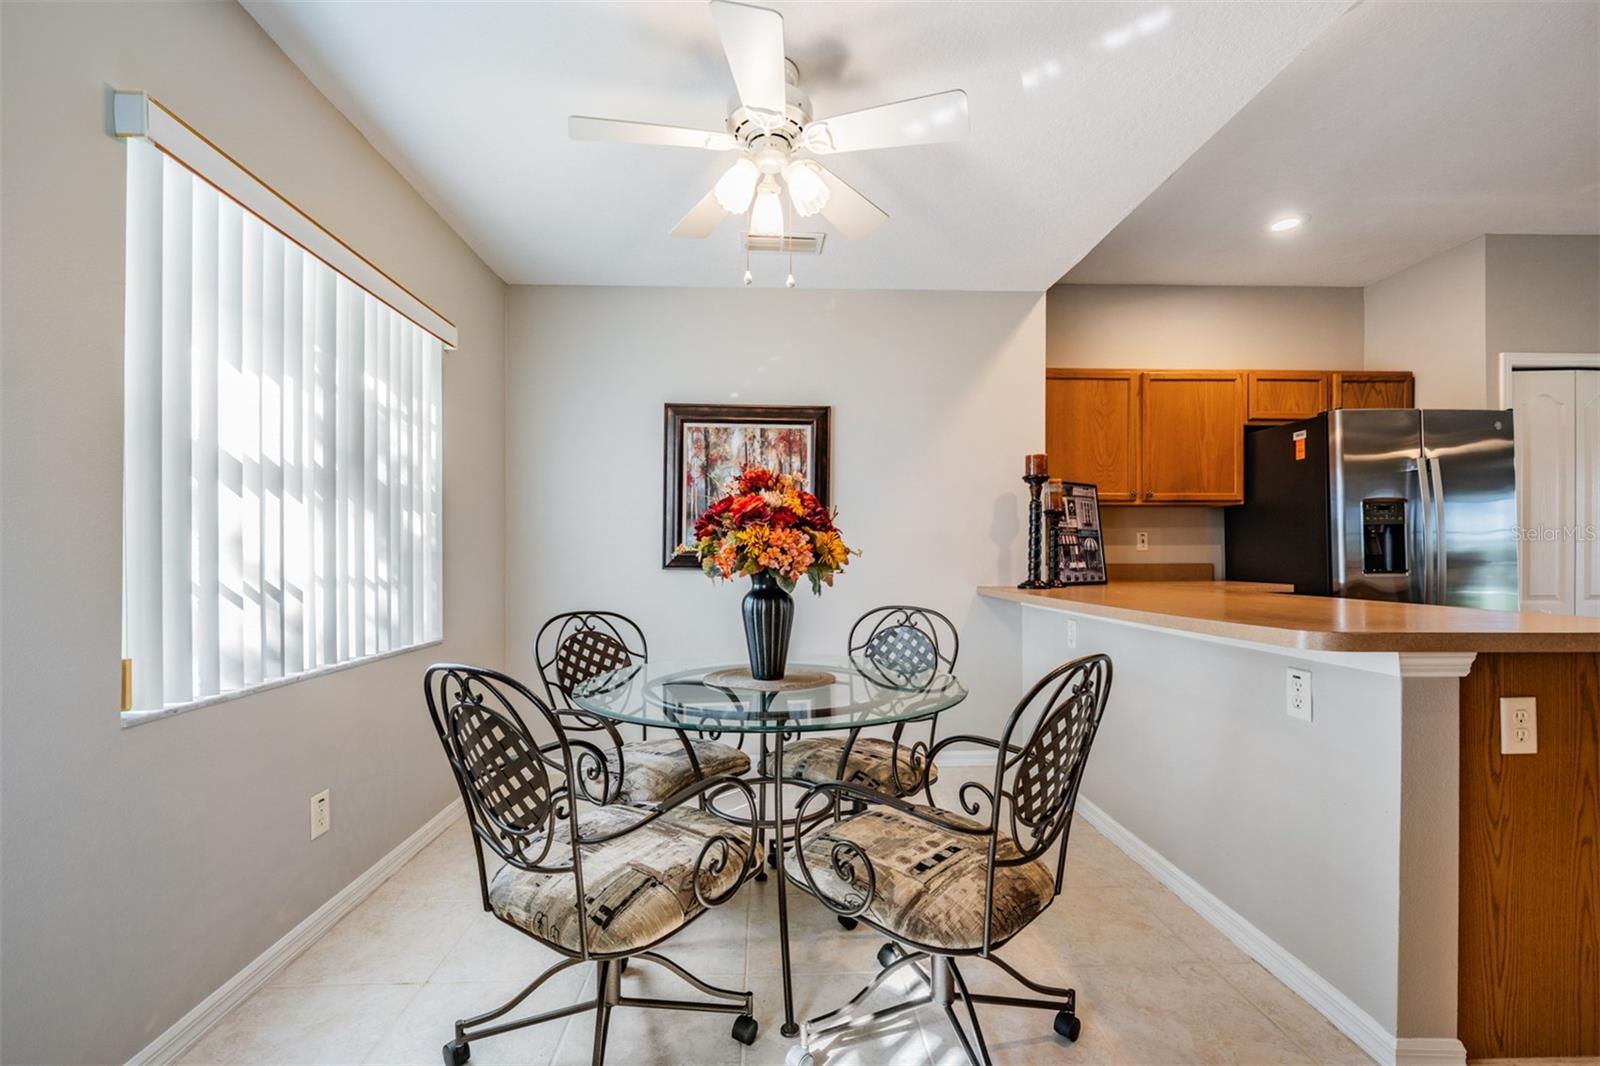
748 277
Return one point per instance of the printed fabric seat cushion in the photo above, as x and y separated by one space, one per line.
639 887
816 759
929 881
655 769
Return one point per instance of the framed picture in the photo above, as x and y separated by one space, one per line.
1080 548
708 444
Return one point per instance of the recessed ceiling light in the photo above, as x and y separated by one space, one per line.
1287 223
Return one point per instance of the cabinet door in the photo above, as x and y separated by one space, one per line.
1192 437
1372 388
1543 417
1286 395
1091 429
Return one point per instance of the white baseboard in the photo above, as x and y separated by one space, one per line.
1429 1051
1362 1028
186 1031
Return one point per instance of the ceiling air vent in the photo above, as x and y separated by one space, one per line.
795 243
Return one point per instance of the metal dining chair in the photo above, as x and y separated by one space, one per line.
603 884
898 647
576 646
944 885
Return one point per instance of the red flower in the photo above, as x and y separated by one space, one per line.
747 511
710 521
756 479
815 515
783 518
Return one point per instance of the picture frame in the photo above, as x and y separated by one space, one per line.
707 444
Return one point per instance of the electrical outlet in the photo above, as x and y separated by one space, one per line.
321 814
1299 694
1141 541
1519 725
1072 633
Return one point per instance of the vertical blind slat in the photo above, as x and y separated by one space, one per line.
282 449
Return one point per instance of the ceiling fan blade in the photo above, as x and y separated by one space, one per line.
702 218
752 37
851 213
585 128
920 120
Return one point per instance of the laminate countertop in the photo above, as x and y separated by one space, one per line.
1270 614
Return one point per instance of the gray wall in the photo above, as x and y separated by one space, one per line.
935 396
1294 825
144 867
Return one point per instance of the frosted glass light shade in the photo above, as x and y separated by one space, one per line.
766 218
806 188
736 186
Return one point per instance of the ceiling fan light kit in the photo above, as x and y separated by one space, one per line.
768 123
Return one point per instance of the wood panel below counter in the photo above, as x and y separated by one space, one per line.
1528 985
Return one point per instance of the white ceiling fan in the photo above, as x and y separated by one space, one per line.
771 127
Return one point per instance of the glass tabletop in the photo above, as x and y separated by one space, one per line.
829 694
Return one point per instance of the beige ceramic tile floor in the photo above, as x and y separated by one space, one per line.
1155 983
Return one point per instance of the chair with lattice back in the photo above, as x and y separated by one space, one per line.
897 647
944 885
605 884
577 646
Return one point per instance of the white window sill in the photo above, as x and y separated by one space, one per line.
134 718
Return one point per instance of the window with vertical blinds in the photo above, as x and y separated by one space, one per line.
282 497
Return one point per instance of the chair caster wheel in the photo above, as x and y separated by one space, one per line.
848 922
456 1054
1068 1026
888 956
800 1056
744 1029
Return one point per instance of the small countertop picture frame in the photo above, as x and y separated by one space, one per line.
708 444
1081 552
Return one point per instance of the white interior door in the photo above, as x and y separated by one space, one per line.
1544 405
1587 403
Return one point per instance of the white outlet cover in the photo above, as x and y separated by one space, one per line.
321 813
1142 541
1297 694
1072 633
1519 725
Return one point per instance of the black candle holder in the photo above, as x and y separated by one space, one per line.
1052 539
1035 485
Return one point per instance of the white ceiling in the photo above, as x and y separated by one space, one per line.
470 101
1405 129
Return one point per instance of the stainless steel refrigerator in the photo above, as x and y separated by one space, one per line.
1410 505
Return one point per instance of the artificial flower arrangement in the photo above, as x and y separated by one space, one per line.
768 524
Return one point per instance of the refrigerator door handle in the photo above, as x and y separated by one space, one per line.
1442 578
1425 523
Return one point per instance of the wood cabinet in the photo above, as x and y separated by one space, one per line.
1163 437
1286 395
1091 429
1191 437
1372 388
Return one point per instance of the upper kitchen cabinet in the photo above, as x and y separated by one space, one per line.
1286 395
1191 437
1372 388
1091 429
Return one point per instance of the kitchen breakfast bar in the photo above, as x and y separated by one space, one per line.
1431 896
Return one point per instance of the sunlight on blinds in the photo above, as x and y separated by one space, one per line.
282 497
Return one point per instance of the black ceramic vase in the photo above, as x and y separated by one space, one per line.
768 617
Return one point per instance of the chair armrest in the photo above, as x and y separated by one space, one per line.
589 764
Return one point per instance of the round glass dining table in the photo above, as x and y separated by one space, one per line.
817 695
